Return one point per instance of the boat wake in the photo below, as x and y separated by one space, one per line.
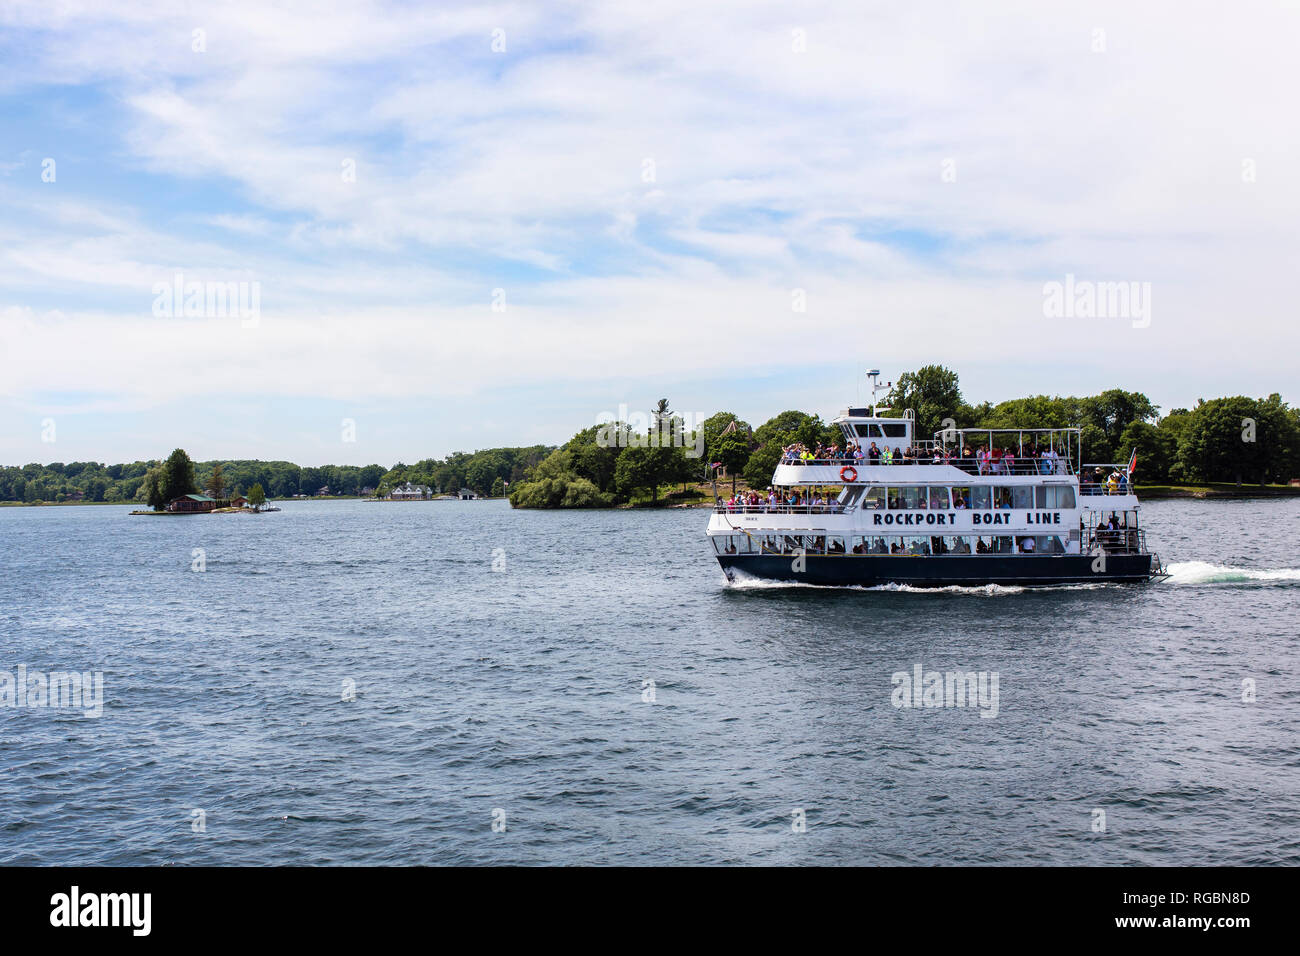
1203 572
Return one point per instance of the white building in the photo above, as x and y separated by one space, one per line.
409 492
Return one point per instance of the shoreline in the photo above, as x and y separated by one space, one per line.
1220 492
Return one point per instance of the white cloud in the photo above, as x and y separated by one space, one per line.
773 169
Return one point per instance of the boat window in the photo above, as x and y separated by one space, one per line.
835 544
728 543
981 497
1053 496
1001 497
1022 496
1049 544
906 498
917 545
898 430
874 498
961 497
938 497
1059 496
956 544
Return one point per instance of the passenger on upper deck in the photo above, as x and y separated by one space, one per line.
1048 462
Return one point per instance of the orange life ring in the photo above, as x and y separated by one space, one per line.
848 473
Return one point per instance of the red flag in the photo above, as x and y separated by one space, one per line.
1133 463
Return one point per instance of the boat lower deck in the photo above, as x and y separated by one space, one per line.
871 570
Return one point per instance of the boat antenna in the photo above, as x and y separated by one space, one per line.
874 375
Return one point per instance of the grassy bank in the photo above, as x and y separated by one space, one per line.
1217 490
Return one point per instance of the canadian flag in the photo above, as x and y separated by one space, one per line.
1133 463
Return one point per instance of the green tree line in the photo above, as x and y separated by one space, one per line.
1232 439
487 472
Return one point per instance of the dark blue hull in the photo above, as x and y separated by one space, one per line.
870 570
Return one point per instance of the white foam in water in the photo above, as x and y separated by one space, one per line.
746 582
1203 572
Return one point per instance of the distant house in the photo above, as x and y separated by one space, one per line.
367 492
323 491
467 495
409 492
239 501
191 504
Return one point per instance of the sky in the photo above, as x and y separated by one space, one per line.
459 226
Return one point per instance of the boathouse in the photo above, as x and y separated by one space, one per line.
192 504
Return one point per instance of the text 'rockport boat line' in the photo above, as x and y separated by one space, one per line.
971 507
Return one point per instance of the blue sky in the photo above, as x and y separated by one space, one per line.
649 190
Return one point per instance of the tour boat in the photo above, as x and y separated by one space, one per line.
969 508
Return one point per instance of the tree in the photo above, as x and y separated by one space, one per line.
178 476
661 413
641 469
553 484
779 431
1111 412
498 488
256 497
595 451
1155 449
728 441
217 482
1236 438
154 482
933 393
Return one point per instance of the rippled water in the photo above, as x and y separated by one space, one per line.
522 690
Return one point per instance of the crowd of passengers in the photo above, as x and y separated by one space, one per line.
813 501
1097 482
984 461
935 545
1113 536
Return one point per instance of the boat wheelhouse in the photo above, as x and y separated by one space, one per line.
969 507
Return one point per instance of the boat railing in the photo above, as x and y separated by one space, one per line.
1114 541
1094 479
972 466
834 508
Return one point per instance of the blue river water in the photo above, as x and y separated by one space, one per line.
461 683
